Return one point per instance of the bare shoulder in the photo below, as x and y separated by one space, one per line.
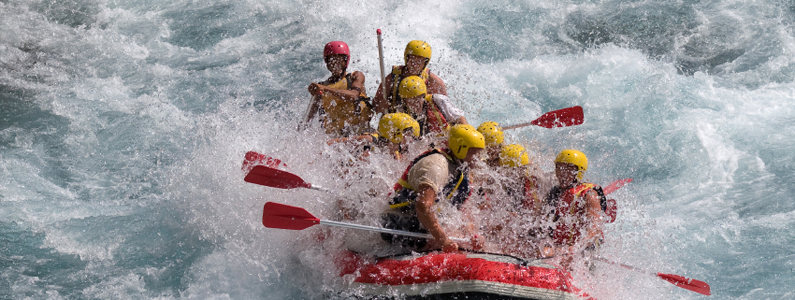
436 85
431 170
435 159
431 164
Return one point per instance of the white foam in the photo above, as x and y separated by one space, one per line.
152 124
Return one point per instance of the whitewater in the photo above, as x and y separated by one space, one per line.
123 126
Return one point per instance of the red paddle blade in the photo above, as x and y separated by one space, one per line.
253 158
697 286
616 185
560 118
280 216
271 177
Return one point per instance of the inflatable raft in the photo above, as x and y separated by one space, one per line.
457 276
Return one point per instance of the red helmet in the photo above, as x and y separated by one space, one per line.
337 47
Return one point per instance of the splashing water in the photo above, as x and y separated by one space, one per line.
123 125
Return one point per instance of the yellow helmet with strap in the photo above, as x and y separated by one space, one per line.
411 87
418 48
574 157
392 126
513 155
492 132
463 137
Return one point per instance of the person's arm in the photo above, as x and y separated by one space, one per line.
311 111
352 94
593 223
357 83
535 203
349 95
450 112
593 213
381 101
436 85
427 217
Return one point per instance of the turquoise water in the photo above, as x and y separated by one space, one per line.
123 125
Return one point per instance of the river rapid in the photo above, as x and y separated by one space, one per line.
123 125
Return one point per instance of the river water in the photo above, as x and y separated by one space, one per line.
123 125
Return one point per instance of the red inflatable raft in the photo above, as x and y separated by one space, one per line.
458 276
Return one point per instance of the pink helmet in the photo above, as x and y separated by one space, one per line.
337 47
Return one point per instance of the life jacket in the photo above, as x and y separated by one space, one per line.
397 72
570 212
433 120
456 190
343 117
530 185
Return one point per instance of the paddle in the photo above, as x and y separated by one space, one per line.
253 158
697 286
569 116
281 216
272 177
381 61
616 185
677 280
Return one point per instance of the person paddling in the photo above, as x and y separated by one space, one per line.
395 133
340 101
512 206
492 132
434 176
523 186
417 56
434 112
578 208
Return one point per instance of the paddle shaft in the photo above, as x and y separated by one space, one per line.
319 188
697 286
282 216
517 126
383 230
381 61
628 267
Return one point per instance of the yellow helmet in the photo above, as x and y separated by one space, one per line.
513 156
411 87
463 137
492 132
418 48
574 157
392 126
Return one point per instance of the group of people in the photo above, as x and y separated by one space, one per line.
341 105
414 106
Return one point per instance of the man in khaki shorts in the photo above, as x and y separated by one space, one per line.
437 175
